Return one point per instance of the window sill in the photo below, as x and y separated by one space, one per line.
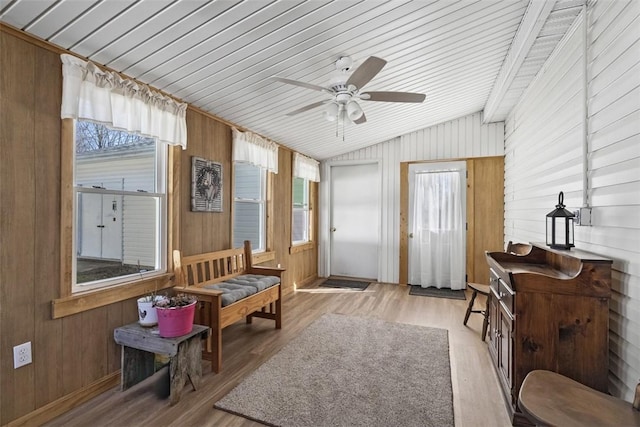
302 247
89 300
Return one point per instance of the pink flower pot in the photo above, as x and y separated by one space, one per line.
175 321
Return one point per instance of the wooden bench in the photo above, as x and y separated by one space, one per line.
195 272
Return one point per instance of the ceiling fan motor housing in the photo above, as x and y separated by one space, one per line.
338 81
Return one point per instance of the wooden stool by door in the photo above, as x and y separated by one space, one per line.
476 289
551 399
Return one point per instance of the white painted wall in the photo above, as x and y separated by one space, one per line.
461 138
543 155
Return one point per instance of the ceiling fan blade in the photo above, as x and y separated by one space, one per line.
361 120
393 96
366 71
302 84
308 107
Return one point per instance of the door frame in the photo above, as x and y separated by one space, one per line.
324 234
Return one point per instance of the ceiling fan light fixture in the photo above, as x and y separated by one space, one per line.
331 112
354 111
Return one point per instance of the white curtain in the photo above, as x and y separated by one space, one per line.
90 93
437 247
252 148
306 167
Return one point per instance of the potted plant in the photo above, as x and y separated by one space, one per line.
175 315
147 315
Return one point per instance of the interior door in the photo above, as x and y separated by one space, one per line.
437 224
355 221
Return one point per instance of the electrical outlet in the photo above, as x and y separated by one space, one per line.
22 355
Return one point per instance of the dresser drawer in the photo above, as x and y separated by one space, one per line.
493 280
506 294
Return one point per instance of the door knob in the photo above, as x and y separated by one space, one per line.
333 229
411 235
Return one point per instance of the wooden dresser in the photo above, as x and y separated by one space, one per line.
549 310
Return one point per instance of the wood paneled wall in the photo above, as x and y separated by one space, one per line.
545 138
205 231
485 213
76 354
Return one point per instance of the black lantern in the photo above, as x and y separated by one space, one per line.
560 226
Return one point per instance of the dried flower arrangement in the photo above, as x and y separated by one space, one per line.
179 300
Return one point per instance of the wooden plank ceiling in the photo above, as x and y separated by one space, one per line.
220 55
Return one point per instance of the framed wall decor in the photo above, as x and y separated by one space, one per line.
206 185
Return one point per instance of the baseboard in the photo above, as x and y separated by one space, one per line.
306 281
66 403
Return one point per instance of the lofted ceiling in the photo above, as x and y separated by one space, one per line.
466 56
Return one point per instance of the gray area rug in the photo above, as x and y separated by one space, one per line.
346 284
437 293
351 371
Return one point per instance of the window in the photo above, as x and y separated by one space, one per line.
300 217
119 207
249 206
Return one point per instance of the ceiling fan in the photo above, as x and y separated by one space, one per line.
346 90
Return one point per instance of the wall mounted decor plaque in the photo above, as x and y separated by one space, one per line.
206 185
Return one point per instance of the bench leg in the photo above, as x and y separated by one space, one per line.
136 365
279 313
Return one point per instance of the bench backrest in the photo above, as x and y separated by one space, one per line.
211 267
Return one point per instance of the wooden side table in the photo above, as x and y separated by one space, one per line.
139 346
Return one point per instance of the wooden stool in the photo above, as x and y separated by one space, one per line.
476 289
139 346
548 398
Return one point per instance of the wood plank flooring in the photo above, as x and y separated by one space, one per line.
477 397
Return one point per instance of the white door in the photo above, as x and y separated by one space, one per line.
355 220
437 224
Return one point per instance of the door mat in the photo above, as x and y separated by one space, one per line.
437 293
345 284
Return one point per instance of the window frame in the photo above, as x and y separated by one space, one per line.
306 208
261 202
160 185
267 253
311 243
72 301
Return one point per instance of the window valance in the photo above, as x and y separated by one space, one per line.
90 93
252 148
306 167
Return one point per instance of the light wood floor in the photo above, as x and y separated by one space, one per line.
477 398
